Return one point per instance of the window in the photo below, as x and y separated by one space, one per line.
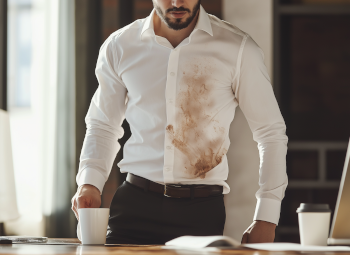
31 87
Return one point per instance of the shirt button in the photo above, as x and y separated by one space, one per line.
172 74
169 147
170 101
167 169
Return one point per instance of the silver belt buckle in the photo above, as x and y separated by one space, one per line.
170 185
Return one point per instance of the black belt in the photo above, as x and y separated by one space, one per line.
175 190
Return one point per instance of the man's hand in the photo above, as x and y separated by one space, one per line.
259 232
87 196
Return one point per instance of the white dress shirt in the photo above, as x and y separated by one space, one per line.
180 103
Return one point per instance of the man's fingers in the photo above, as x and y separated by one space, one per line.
246 233
76 213
87 196
74 208
82 202
244 238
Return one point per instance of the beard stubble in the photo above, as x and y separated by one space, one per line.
177 25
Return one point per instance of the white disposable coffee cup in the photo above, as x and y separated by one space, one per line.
314 222
92 225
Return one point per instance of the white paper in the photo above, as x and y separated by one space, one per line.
202 250
294 247
199 241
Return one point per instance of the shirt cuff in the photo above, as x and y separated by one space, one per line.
92 177
268 210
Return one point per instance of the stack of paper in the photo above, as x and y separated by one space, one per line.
208 242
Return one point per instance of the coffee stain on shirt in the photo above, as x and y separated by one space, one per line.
198 134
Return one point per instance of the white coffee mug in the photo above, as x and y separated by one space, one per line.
92 225
314 222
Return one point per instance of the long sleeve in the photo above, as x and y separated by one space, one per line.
103 121
255 96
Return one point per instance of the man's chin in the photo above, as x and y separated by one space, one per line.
177 26
173 20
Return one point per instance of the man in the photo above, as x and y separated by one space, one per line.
177 77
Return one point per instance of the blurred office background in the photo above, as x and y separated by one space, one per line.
52 47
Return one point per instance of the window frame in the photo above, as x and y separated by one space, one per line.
3 54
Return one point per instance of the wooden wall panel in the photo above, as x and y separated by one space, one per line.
87 44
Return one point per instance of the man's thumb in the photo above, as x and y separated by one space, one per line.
244 238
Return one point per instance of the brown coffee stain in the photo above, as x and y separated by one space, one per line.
197 133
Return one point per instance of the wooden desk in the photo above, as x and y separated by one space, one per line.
73 247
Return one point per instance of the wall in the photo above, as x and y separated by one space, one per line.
255 18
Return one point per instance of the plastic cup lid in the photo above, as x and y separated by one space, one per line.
313 208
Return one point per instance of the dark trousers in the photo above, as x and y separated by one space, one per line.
141 217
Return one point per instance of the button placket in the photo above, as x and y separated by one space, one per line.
170 94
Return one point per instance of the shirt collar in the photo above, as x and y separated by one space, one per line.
148 25
203 23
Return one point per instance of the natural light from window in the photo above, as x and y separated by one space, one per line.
31 108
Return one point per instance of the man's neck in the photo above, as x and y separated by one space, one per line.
175 37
